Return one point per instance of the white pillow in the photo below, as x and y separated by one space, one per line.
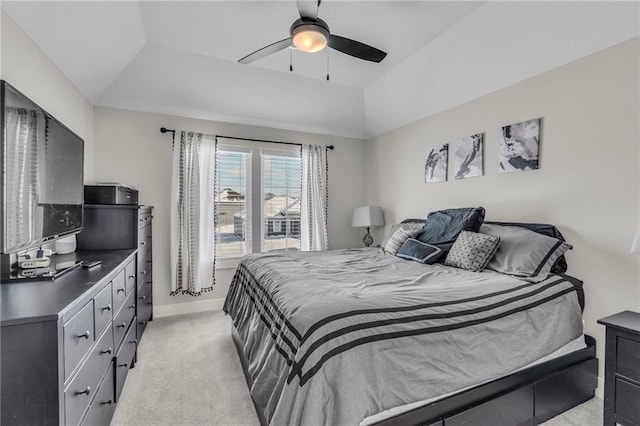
400 235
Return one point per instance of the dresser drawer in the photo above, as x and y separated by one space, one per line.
144 310
144 217
144 240
130 273
144 270
628 359
123 318
78 337
102 309
103 405
118 290
492 413
124 358
85 383
627 405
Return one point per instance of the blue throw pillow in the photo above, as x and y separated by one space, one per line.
443 227
413 249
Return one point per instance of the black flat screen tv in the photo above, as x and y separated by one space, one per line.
42 174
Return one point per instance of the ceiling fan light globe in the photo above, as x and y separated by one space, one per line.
309 41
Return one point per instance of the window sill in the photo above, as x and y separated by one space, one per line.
227 263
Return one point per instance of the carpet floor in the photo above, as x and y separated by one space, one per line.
188 373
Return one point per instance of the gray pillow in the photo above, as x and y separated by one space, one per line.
472 251
524 253
401 233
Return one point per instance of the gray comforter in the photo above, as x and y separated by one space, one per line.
334 337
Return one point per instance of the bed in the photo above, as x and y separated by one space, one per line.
360 336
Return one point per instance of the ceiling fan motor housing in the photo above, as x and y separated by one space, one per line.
309 35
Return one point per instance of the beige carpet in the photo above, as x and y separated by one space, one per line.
194 377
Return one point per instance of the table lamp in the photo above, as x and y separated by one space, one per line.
367 216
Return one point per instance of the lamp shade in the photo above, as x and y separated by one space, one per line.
367 216
635 245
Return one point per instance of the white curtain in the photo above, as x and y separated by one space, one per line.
193 214
313 211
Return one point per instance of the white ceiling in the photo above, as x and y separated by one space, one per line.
180 57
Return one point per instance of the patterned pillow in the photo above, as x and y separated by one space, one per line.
413 249
402 234
472 251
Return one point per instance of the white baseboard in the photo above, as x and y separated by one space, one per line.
160 311
600 388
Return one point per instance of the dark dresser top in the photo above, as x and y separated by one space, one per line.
627 320
27 301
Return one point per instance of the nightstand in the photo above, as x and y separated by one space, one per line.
622 369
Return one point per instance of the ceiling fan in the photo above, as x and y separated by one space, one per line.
311 34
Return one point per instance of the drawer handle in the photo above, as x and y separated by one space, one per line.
143 272
134 341
107 308
87 391
124 324
149 303
119 290
142 297
132 306
109 402
144 243
143 322
132 276
107 351
86 335
126 364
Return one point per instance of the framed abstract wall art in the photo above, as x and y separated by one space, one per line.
435 164
469 153
520 146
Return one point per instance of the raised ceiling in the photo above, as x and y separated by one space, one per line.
180 57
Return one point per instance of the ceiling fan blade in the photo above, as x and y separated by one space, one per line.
266 51
308 8
355 48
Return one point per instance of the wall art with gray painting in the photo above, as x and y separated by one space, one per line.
469 156
519 147
435 164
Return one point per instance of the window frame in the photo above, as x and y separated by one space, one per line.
255 189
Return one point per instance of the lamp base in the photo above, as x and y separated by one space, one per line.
368 239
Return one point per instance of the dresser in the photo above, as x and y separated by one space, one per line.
144 307
622 369
67 344
125 227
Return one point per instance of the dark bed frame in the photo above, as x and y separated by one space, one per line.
527 397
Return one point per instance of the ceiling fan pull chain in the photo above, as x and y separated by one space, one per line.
327 60
291 59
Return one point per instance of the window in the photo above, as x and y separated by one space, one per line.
258 188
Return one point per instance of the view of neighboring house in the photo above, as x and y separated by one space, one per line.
228 203
281 214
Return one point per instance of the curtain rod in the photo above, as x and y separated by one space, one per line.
165 130
263 140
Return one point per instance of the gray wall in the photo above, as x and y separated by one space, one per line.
130 149
587 184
